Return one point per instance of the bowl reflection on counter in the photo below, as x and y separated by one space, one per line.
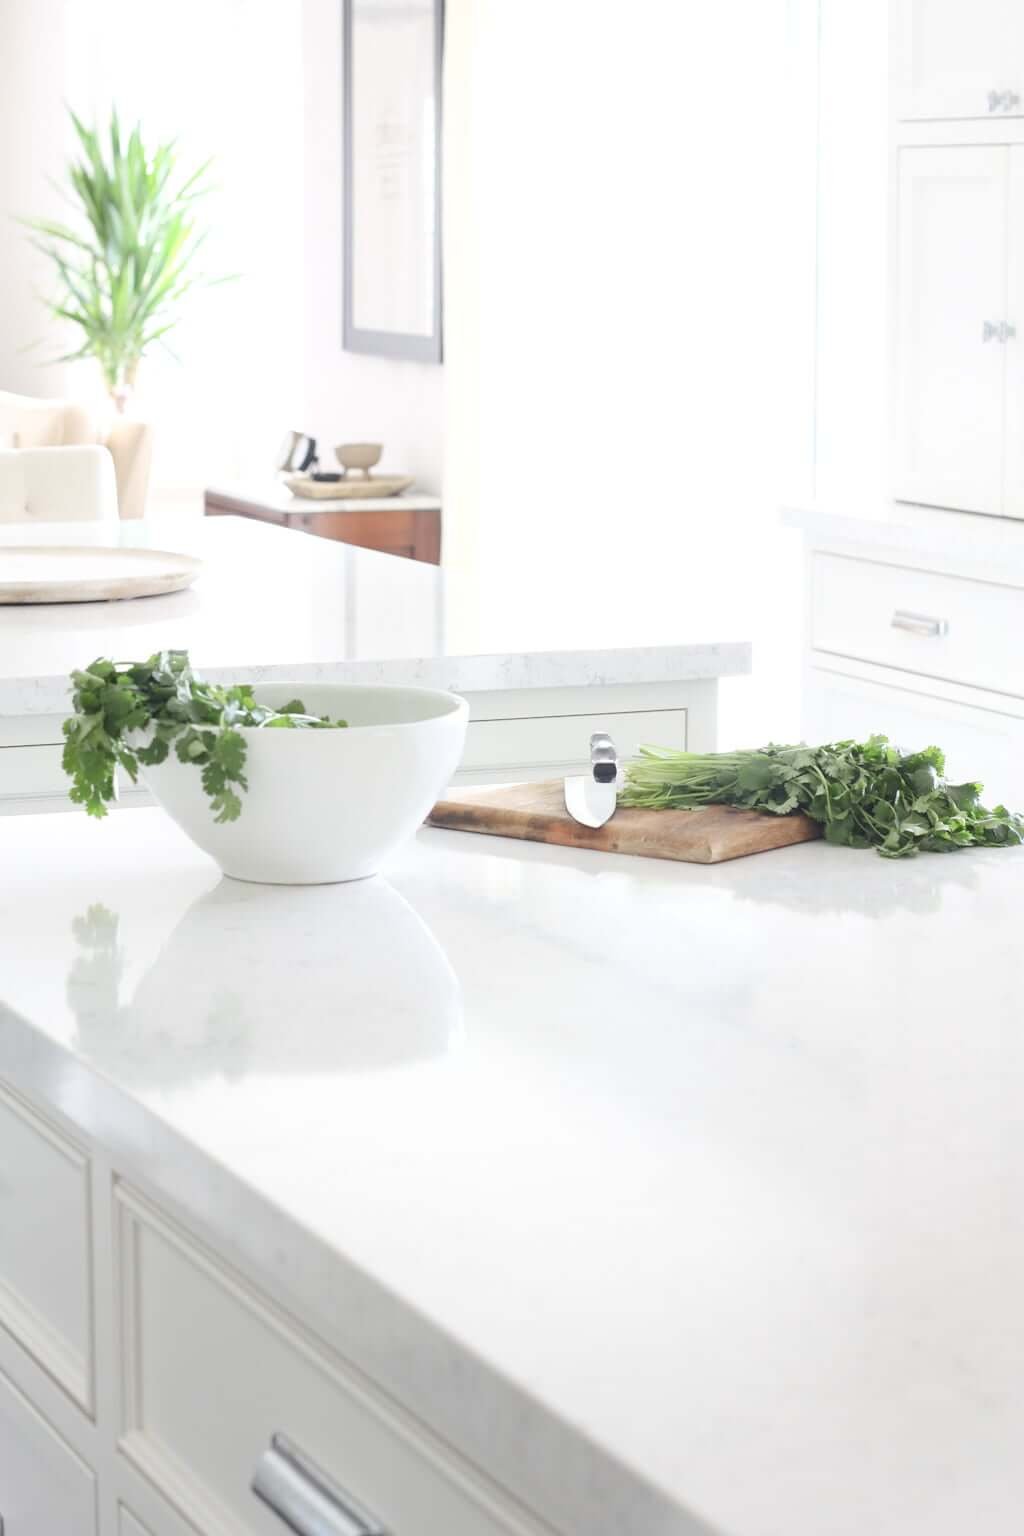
365 986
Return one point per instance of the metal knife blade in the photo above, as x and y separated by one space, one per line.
591 798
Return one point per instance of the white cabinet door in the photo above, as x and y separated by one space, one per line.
952 283
960 58
44 1489
1013 463
980 745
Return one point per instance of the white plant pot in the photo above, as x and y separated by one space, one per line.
324 806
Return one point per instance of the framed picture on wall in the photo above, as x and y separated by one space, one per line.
392 167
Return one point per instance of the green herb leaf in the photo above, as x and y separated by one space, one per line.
129 713
865 794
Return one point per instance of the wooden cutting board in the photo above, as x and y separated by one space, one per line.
537 813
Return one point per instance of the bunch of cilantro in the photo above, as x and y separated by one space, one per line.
865 794
127 714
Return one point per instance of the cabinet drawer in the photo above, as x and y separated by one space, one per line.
561 743
943 627
979 744
45 1490
32 771
213 1370
45 1250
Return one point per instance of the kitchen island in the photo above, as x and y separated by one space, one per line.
271 603
526 1190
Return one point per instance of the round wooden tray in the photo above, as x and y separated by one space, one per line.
42 573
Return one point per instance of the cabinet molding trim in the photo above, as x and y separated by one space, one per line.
70 1368
160 1465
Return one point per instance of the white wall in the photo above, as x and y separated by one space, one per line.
630 324
33 142
225 78
853 309
350 397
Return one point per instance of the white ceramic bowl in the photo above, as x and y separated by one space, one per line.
326 805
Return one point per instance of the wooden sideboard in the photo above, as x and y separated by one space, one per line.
395 525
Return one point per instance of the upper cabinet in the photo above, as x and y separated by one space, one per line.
954 328
959 59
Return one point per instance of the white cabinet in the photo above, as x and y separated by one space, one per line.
551 746
959 58
45 1286
45 1490
1013 456
953 326
952 628
905 638
981 745
215 1374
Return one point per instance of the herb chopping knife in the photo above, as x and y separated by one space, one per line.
591 798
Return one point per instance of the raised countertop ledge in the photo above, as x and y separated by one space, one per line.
683 1200
987 546
272 603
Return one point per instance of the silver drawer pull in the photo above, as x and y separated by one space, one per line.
920 623
306 1499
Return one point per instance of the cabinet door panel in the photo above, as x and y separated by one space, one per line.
952 57
1013 463
979 743
952 280
44 1489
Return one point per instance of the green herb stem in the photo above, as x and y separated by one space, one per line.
864 794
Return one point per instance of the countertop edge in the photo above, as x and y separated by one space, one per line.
494 673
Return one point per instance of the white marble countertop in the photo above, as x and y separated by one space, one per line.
276 495
968 539
709 1223
278 603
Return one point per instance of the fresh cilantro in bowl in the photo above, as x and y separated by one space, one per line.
129 714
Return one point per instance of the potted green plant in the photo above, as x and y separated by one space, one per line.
126 263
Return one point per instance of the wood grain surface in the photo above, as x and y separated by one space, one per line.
536 813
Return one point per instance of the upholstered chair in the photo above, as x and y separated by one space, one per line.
57 485
27 422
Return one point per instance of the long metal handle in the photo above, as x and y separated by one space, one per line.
920 623
308 1501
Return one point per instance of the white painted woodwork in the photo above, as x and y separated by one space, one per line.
559 744
128 1525
31 771
45 1246
45 1489
980 744
950 55
525 733
1013 461
854 603
952 280
212 1369
962 690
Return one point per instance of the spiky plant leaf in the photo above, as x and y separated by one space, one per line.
124 267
